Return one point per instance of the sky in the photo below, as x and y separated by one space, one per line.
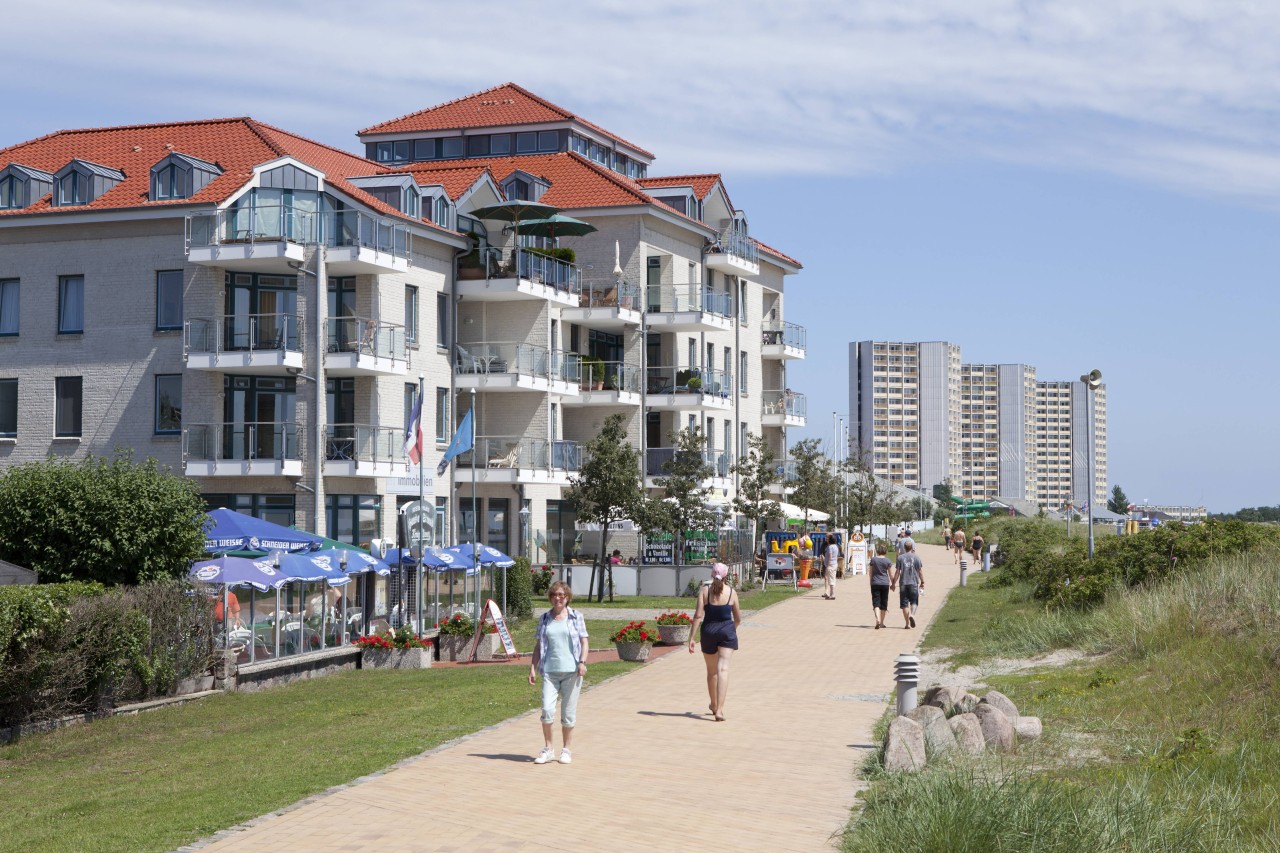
1071 185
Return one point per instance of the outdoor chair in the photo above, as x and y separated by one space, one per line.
369 338
508 461
468 363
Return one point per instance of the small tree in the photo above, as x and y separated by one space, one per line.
756 477
108 520
607 488
816 486
685 505
1119 502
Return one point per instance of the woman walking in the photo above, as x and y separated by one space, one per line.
719 616
879 571
977 545
560 657
830 563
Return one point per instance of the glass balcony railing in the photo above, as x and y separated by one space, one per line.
244 333
526 264
366 336
688 380
264 223
670 298
241 441
515 451
785 402
490 357
787 334
608 375
363 443
609 293
658 461
736 242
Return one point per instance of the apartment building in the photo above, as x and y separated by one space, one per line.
1062 435
258 310
997 437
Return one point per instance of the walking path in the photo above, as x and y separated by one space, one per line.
651 769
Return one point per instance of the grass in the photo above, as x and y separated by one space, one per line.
166 778
1166 739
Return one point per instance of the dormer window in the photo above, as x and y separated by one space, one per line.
524 186
181 176
22 186
82 182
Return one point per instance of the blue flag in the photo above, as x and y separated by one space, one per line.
461 443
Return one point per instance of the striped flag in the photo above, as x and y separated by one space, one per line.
413 435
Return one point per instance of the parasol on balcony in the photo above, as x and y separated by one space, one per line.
557 225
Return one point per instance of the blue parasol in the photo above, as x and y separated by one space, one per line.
312 566
239 571
228 530
470 555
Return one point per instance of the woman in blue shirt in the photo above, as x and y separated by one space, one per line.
560 657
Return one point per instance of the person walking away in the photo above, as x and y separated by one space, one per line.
880 569
830 561
560 657
719 616
897 543
908 576
946 537
957 542
977 545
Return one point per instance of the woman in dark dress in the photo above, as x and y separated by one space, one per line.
719 617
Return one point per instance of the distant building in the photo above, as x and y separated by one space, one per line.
1185 514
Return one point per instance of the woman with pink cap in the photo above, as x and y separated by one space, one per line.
719 616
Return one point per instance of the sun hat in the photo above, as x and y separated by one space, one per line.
719 571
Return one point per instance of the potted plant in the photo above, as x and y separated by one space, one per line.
401 649
633 641
674 628
455 634
694 384
593 371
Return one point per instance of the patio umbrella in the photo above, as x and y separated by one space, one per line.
228 530
470 555
515 211
239 571
355 562
311 566
556 225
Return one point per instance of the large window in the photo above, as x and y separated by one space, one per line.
277 509
496 525
70 304
169 299
355 519
168 403
9 306
442 415
67 390
8 408
410 314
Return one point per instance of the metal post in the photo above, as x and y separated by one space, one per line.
906 672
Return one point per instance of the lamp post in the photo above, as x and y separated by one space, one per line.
1092 380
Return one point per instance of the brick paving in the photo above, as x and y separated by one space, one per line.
651 768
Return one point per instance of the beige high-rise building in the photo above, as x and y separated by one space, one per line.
1062 445
997 430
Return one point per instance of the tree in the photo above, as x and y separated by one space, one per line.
607 488
816 486
1119 502
108 520
757 475
685 493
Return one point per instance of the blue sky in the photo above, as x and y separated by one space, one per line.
1066 184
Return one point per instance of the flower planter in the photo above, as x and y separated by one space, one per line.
395 658
674 635
633 651
454 646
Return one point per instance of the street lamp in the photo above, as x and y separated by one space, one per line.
1092 380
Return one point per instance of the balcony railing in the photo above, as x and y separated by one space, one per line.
244 333
609 375
488 357
609 293
363 443
366 336
787 334
736 242
526 264
670 298
264 223
785 402
242 441
657 461
515 451
688 380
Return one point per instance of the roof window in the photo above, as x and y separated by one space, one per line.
181 176
82 182
22 186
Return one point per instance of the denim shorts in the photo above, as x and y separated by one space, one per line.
908 594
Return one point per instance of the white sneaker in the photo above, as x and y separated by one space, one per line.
566 757
544 756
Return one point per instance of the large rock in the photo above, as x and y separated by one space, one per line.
966 703
1027 728
997 728
937 734
904 746
1003 702
967 731
943 697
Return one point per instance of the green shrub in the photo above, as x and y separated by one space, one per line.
520 588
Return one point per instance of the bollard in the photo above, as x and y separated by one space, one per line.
986 562
906 671
964 570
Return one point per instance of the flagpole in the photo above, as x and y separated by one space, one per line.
475 510
422 465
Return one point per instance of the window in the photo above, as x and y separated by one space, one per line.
442 320
410 314
742 302
67 405
478 146
742 373
168 403
425 149
500 143
169 299
70 304
496 518
410 397
73 188
8 408
11 193
442 415
355 519
526 143
451 147
9 306
548 140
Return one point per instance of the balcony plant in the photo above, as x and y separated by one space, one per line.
674 627
694 384
633 641
592 371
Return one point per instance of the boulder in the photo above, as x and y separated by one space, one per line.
967 731
904 746
1027 728
966 703
997 729
1003 702
938 738
942 697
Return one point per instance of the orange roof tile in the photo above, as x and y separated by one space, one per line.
702 184
507 104
769 250
455 177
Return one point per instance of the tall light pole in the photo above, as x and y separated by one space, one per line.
1091 381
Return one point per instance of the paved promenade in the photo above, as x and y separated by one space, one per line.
651 769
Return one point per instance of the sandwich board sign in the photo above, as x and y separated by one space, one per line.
491 611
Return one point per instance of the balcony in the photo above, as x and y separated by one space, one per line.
658 459
360 346
512 275
688 308
506 366
734 253
606 383
606 305
362 450
265 449
271 238
264 344
679 388
781 340
784 408
788 471
515 459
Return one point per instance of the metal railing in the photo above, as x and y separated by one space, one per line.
516 451
243 333
491 357
366 336
273 223
787 334
669 298
532 266
362 443
610 375
736 242
658 459
688 380
609 293
785 402
241 441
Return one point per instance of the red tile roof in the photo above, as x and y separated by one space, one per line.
507 104
769 250
702 184
575 181
455 177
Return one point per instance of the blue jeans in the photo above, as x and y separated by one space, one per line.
566 686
